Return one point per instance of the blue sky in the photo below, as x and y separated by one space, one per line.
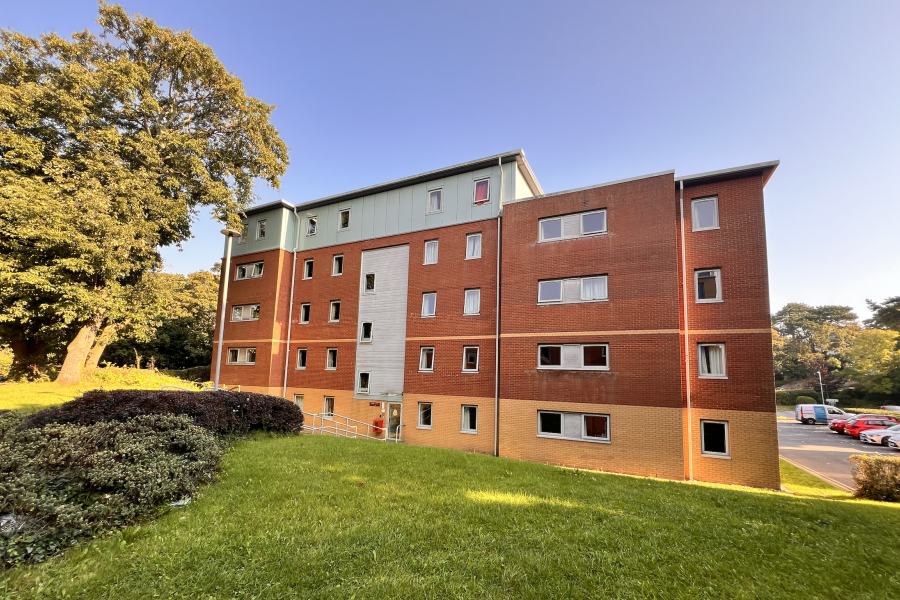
593 91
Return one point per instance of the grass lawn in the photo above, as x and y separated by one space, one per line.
802 483
320 517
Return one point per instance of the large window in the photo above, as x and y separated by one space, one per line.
312 224
712 360
568 291
574 357
344 219
595 427
301 358
470 359
473 246
242 356
365 331
337 265
304 312
572 226
246 312
426 358
335 314
550 291
593 288
331 363
550 423
584 427
435 201
424 415
431 252
714 438
551 229
473 302
249 270
261 229
707 284
705 214
483 191
593 222
469 419
429 304
363 383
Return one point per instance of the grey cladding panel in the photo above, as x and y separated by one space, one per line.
572 290
571 225
572 425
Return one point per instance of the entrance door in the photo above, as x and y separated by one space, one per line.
395 411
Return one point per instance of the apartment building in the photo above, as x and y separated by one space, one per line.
622 327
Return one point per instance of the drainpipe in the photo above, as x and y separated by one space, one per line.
497 321
687 347
287 350
226 273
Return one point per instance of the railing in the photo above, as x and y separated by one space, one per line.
208 388
339 425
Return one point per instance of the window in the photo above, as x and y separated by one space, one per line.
549 356
714 438
233 355
311 225
335 315
426 359
705 214
574 357
469 419
551 229
337 265
301 358
247 312
595 427
550 423
593 288
429 304
242 356
250 356
712 360
470 359
482 191
473 246
261 229
249 271
550 291
308 268
594 356
473 302
298 400
370 283
363 385
332 359
304 313
594 222
329 405
242 239
435 201
344 219
431 252
365 332
707 285
425 415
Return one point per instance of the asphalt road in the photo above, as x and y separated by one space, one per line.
819 449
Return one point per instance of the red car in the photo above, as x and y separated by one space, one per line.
856 426
839 424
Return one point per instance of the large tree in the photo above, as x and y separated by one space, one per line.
109 144
811 339
885 315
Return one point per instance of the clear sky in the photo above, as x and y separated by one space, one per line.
593 91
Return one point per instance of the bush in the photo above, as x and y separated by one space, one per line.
790 397
129 376
872 411
220 412
804 400
877 477
197 374
63 483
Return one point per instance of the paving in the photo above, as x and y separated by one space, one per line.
823 451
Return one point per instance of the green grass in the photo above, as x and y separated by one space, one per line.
320 517
802 483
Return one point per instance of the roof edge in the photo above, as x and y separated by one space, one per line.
765 168
591 187
268 206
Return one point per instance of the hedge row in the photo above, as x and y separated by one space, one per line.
872 411
877 477
789 397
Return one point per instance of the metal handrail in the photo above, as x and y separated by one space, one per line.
340 420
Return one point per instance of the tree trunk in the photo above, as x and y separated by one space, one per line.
26 352
76 354
106 337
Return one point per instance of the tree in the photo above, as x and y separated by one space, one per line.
812 339
885 315
873 361
108 146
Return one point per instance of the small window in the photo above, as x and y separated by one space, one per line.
329 405
431 252
257 270
435 201
705 214
551 229
550 356
242 239
473 246
708 286
714 438
337 265
335 314
365 332
550 291
473 302
425 415
261 229
298 400
482 191
370 283
363 384
344 219
469 419
332 359
241 272
311 225
549 423
595 357
233 355
304 313
429 304
595 427
301 358
251 356
593 223
308 268
426 359
237 313
712 360
593 288
470 359
254 312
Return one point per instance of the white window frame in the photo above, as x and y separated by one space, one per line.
362 329
481 241
306 264
477 359
718 297
305 352
244 307
340 220
550 367
466 297
586 368
436 254
309 221
462 418
359 388
475 183
242 356
237 356
428 208
586 437
424 295
561 425
541 237
430 406
694 219
703 450
331 318
261 229
300 403
700 360
604 277
422 350
308 312
242 239
592 212
325 405
328 359
249 270
562 367
334 263
561 294
374 283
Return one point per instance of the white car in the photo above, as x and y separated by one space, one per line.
894 443
879 436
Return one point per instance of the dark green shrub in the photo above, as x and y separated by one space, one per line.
877 477
804 400
221 412
789 397
63 483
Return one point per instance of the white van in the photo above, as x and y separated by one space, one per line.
812 414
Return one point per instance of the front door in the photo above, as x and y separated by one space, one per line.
395 411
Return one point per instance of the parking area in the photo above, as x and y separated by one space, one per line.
817 448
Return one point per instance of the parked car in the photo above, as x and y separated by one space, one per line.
879 436
839 424
818 413
892 407
857 426
894 443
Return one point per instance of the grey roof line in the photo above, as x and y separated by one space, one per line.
731 171
591 187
